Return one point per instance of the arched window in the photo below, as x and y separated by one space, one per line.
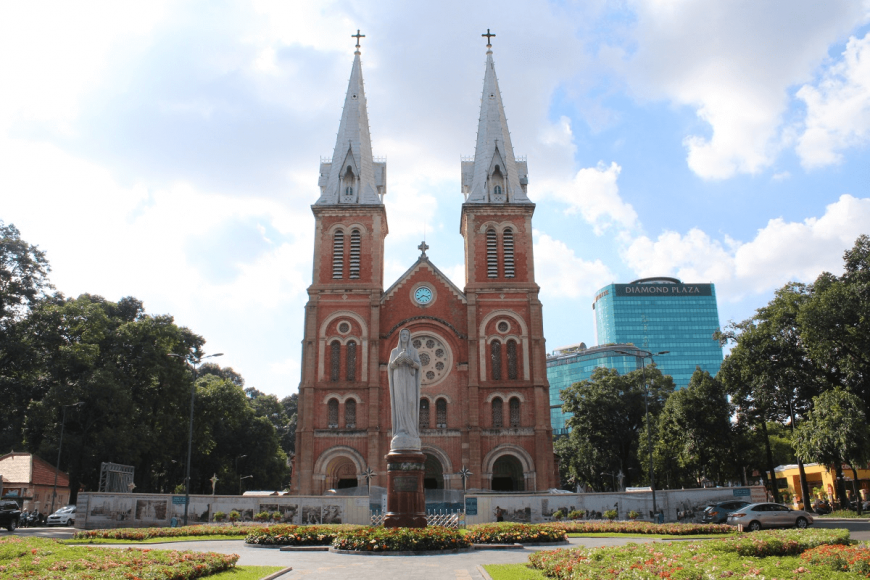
332 414
507 242
514 408
497 413
512 359
424 413
497 190
441 414
350 361
338 254
350 414
491 254
354 254
348 191
495 359
334 360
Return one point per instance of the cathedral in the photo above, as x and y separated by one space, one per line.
484 400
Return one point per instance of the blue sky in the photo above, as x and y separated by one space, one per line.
170 150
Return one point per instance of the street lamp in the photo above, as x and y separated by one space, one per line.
369 473
464 473
193 361
237 462
612 478
240 482
643 355
59 447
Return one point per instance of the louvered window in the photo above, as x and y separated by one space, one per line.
508 243
338 255
334 360
512 359
497 413
491 254
424 413
495 359
350 361
441 414
350 414
332 413
354 254
514 408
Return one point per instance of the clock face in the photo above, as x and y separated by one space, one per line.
423 295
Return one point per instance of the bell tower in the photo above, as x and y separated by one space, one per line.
505 322
339 388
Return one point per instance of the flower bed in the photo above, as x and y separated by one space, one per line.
770 554
179 532
840 558
634 527
512 533
379 539
44 558
292 535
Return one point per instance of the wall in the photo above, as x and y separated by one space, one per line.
110 510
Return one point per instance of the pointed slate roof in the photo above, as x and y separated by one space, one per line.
494 140
353 147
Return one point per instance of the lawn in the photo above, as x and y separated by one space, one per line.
22 557
246 573
513 572
81 542
844 514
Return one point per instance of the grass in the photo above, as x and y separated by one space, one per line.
652 536
513 572
844 514
246 573
75 542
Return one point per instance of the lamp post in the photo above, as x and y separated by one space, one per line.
464 473
643 355
194 362
369 473
237 462
612 478
240 482
59 447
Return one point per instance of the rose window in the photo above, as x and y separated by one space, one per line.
435 358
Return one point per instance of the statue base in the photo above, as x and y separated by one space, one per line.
406 502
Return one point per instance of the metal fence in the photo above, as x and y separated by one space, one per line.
443 518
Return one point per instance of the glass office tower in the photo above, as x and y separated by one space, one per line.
657 314
573 364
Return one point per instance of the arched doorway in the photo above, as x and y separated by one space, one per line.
434 476
507 474
341 474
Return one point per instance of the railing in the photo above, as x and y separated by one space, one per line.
446 519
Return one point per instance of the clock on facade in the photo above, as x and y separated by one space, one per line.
423 295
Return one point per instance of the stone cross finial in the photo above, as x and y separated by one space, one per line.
358 36
488 36
423 247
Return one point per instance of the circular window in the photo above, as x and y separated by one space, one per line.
435 357
503 326
344 327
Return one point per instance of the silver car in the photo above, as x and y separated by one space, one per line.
769 515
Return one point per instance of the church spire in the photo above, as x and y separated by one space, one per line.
494 176
353 176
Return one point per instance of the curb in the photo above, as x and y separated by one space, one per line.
496 546
402 553
484 573
276 574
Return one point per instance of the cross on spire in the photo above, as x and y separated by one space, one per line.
423 247
488 36
358 36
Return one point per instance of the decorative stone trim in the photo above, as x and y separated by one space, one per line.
406 466
422 317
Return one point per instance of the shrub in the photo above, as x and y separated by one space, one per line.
234 516
379 539
558 515
139 534
291 535
276 516
219 516
636 527
611 514
261 517
633 515
513 533
575 515
840 558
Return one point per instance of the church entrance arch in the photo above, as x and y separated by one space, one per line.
507 474
341 473
434 476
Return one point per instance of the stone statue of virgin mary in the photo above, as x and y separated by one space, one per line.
405 374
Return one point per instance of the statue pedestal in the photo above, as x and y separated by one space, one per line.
406 503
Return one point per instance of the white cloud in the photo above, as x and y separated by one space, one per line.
838 107
780 252
733 62
561 274
594 193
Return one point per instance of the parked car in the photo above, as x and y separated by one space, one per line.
769 515
10 515
65 516
718 512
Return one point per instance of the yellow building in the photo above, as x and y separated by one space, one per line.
821 478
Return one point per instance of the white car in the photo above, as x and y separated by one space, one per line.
65 516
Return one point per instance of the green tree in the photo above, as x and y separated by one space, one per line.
835 431
607 414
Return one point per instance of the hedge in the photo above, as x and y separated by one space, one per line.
634 527
513 533
292 535
181 531
380 539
